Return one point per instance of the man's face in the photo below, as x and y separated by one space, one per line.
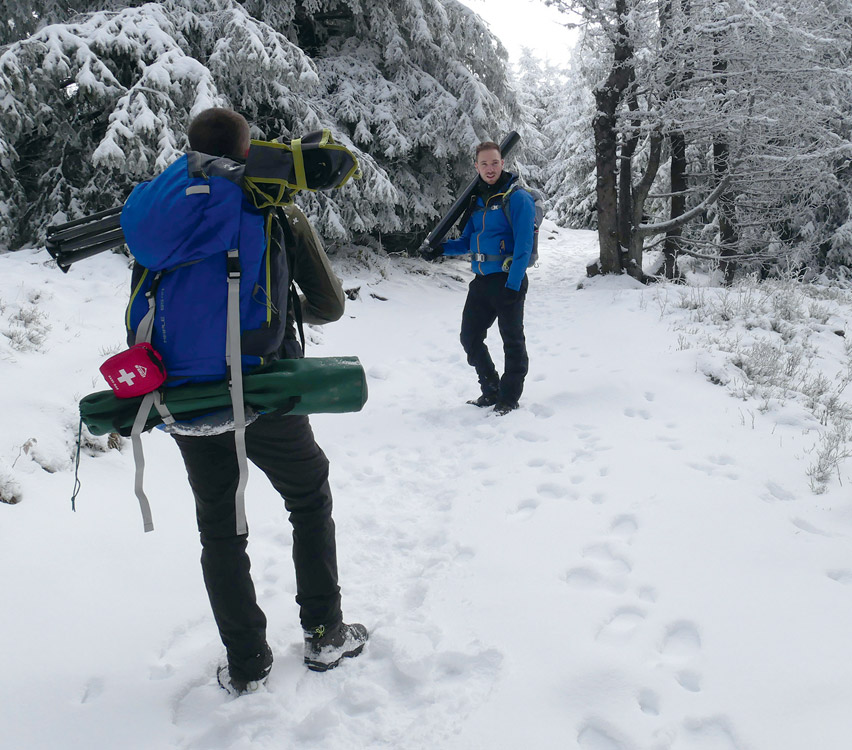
489 165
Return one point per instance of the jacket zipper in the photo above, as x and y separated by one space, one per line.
478 236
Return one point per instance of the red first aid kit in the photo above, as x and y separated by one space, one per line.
134 372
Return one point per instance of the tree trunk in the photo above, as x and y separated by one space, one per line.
677 167
608 96
640 195
625 183
727 232
677 139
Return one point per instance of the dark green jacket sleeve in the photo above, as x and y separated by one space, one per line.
322 294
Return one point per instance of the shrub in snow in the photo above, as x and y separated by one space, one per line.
10 490
782 344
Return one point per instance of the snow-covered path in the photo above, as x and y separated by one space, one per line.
632 560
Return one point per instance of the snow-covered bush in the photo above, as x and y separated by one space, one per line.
777 342
99 100
10 490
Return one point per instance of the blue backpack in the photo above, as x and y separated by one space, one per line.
191 230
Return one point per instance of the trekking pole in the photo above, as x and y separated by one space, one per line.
85 237
436 236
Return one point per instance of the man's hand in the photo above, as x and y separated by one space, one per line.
509 296
430 253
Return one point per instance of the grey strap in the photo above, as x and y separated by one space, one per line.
233 357
161 408
155 399
139 458
146 326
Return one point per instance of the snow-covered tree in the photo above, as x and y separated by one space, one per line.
569 175
721 128
94 103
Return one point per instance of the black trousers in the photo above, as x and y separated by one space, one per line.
283 447
487 302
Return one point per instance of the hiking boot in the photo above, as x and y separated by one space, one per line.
484 400
324 649
504 407
238 684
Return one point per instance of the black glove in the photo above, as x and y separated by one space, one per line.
430 253
509 296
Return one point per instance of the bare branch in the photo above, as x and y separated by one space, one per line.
649 230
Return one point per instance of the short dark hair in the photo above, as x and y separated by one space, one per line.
487 146
219 132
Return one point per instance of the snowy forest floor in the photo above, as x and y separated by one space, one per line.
652 553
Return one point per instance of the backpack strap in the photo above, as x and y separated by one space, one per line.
289 237
139 459
505 203
233 358
155 399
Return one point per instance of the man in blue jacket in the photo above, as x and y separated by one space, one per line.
500 251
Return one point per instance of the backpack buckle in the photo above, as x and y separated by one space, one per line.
478 257
233 264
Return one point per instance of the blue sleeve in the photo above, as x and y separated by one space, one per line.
460 246
522 208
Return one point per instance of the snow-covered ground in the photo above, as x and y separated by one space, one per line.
634 560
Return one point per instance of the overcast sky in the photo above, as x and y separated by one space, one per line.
527 23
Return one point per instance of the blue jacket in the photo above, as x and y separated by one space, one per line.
488 232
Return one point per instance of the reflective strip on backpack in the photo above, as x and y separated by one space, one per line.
195 189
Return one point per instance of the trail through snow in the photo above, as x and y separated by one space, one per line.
632 560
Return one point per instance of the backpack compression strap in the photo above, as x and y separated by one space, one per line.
233 357
154 398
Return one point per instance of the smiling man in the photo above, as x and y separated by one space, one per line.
498 235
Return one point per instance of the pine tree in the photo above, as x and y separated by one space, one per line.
97 102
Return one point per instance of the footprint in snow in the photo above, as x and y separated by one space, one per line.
682 644
713 468
644 414
715 732
604 555
624 527
681 641
531 437
525 510
542 412
593 735
689 680
589 579
622 624
93 689
800 523
649 702
777 492
552 491
841 576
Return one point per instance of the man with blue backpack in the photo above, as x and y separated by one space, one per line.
213 276
499 235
